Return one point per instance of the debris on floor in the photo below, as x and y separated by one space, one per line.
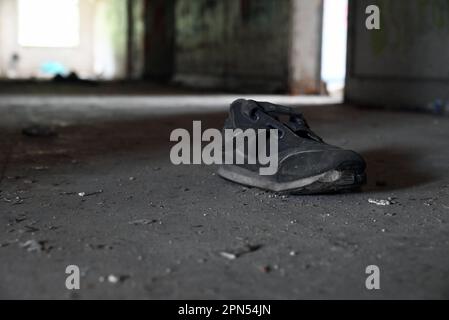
114 279
265 269
234 254
143 221
87 194
35 246
8 243
15 201
390 214
381 202
31 229
281 196
429 202
228 255
20 218
99 246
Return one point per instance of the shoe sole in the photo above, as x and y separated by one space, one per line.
337 180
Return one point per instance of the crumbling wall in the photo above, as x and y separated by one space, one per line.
233 44
404 64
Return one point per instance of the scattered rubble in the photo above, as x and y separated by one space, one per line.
31 245
228 255
242 190
281 196
143 221
265 269
99 246
31 229
8 242
390 214
381 202
114 279
66 193
15 201
36 246
234 254
87 194
20 218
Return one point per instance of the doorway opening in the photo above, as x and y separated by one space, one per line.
85 39
333 48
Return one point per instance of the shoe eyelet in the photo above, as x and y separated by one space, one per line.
281 133
251 114
254 117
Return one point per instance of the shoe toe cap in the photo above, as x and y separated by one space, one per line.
310 163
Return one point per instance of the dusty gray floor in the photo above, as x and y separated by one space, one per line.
310 246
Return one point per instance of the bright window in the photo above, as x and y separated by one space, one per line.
49 23
333 67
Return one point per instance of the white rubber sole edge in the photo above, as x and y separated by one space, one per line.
250 178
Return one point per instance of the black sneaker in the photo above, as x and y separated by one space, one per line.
306 164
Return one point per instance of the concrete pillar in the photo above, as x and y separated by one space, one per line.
129 37
305 50
159 39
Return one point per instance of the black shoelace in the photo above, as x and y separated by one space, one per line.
296 122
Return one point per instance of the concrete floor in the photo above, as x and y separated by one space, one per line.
161 229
